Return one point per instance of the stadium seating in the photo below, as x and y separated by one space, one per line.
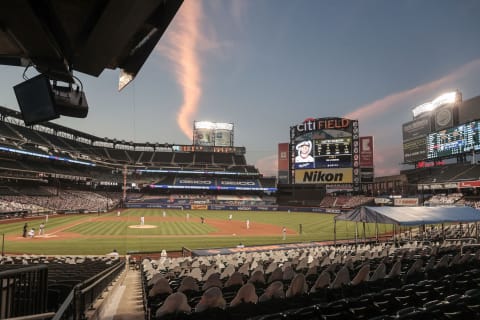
56 201
407 282
52 154
64 272
344 201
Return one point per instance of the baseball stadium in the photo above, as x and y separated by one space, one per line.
102 228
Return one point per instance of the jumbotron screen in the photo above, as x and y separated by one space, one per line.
419 139
324 151
454 141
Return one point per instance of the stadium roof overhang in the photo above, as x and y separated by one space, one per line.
58 37
411 215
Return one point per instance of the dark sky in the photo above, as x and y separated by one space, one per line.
266 65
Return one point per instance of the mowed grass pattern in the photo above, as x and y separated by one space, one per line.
100 234
164 228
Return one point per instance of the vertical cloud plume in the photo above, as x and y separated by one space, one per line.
182 48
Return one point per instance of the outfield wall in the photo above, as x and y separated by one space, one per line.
214 207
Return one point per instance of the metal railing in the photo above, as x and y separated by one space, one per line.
83 295
23 291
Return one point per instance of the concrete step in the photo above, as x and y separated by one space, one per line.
130 305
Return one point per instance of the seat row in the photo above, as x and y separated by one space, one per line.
168 293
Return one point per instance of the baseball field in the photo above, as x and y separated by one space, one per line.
96 234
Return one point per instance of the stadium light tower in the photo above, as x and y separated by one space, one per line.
449 97
208 133
446 98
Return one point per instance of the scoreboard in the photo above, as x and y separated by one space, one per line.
414 139
333 153
454 141
325 151
415 150
435 131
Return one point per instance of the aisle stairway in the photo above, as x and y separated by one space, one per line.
131 302
124 300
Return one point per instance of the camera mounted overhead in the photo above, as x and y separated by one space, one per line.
60 37
41 99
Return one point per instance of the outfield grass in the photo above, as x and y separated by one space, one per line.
100 237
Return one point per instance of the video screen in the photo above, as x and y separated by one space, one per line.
453 141
323 153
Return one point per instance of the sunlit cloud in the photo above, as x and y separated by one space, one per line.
238 10
182 48
384 159
373 116
189 35
379 107
268 165
388 145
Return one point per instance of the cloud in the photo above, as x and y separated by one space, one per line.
384 160
379 107
238 9
268 165
388 145
182 48
188 36
373 116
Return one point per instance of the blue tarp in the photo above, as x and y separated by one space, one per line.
411 215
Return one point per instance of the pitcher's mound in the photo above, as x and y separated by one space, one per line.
145 226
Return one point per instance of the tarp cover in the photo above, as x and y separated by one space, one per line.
411 215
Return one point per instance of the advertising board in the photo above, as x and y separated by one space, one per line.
366 152
324 176
405 202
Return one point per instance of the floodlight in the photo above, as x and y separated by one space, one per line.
124 79
445 98
212 125
204 125
449 97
